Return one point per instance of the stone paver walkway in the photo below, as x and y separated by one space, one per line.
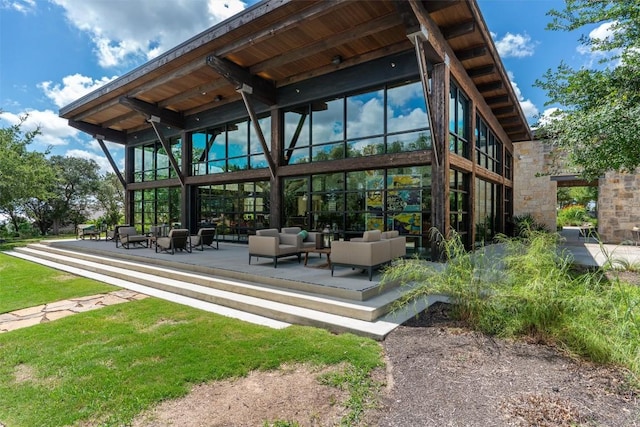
56 310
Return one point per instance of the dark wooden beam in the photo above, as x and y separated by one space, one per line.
259 133
458 30
96 131
167 148
437 5
513 119
496 100
167 117
481 71
359 32
488 87
106 152
258 87
322 8
504 111
473 52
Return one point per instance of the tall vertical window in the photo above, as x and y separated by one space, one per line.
459 203
458 122
391 119
488 147
487 201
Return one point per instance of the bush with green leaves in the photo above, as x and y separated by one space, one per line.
529 286
573 215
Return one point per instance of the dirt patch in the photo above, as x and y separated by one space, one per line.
289 394
438 374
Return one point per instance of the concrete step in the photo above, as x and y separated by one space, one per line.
363 318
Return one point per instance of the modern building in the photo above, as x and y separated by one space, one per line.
346 115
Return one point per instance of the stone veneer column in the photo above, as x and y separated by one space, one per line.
532 194
618 206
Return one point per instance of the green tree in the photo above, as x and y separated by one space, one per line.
24 174
110 198
599 121
70 196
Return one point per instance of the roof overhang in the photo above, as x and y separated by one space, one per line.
276 43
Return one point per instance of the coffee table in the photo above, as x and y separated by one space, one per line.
326 251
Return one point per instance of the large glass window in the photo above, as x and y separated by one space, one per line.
350 203
458 122
459 203
160 206
151 162
385 120
488 147
486 210
237 210
231 147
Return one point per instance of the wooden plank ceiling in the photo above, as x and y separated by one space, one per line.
280 42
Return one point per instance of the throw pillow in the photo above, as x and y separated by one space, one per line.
303 234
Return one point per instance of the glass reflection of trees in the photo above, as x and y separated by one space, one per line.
352 202
151 162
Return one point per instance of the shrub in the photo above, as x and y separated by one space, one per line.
573 215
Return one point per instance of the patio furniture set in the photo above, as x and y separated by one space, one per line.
369 252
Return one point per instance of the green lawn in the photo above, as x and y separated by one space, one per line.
25 284
108 365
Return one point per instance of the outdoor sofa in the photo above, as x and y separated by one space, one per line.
368 252
270 243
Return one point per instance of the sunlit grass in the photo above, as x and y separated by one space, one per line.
103 367
532 289
25 284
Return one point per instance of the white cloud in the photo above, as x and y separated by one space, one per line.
528 107
135 30
603 32
514 45
73 87
99 158
23 6
54 131
549 115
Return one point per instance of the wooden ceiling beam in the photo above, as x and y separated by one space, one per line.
490 86
118 119
196 91
322 8
167 117
485 70
354 60
100 132
496 100
358 32
458 30
503 111
437 5
242 79
471 53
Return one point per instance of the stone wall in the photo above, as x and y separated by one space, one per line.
618 206
533 194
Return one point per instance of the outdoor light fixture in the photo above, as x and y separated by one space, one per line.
218 98
305 197
336 60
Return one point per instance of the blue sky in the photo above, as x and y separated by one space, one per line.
54 51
